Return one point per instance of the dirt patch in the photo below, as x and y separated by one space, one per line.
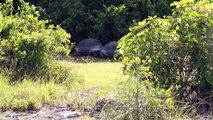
46 113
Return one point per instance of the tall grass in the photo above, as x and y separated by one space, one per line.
28 94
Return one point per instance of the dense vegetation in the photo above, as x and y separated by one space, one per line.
28 43
168 55
105 20
174 52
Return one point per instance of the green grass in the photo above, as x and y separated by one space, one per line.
98 80
90 81
29 95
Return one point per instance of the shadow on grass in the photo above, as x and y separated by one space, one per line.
85 59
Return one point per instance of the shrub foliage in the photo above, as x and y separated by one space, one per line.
27 42
107 20
174 52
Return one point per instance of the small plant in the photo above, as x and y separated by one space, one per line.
21 105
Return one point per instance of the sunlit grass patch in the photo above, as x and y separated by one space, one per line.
101 79
87 83
29 94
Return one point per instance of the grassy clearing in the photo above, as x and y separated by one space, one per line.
98 80
89 82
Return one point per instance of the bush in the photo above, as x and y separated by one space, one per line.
105 20
27 42
111 24
174 52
